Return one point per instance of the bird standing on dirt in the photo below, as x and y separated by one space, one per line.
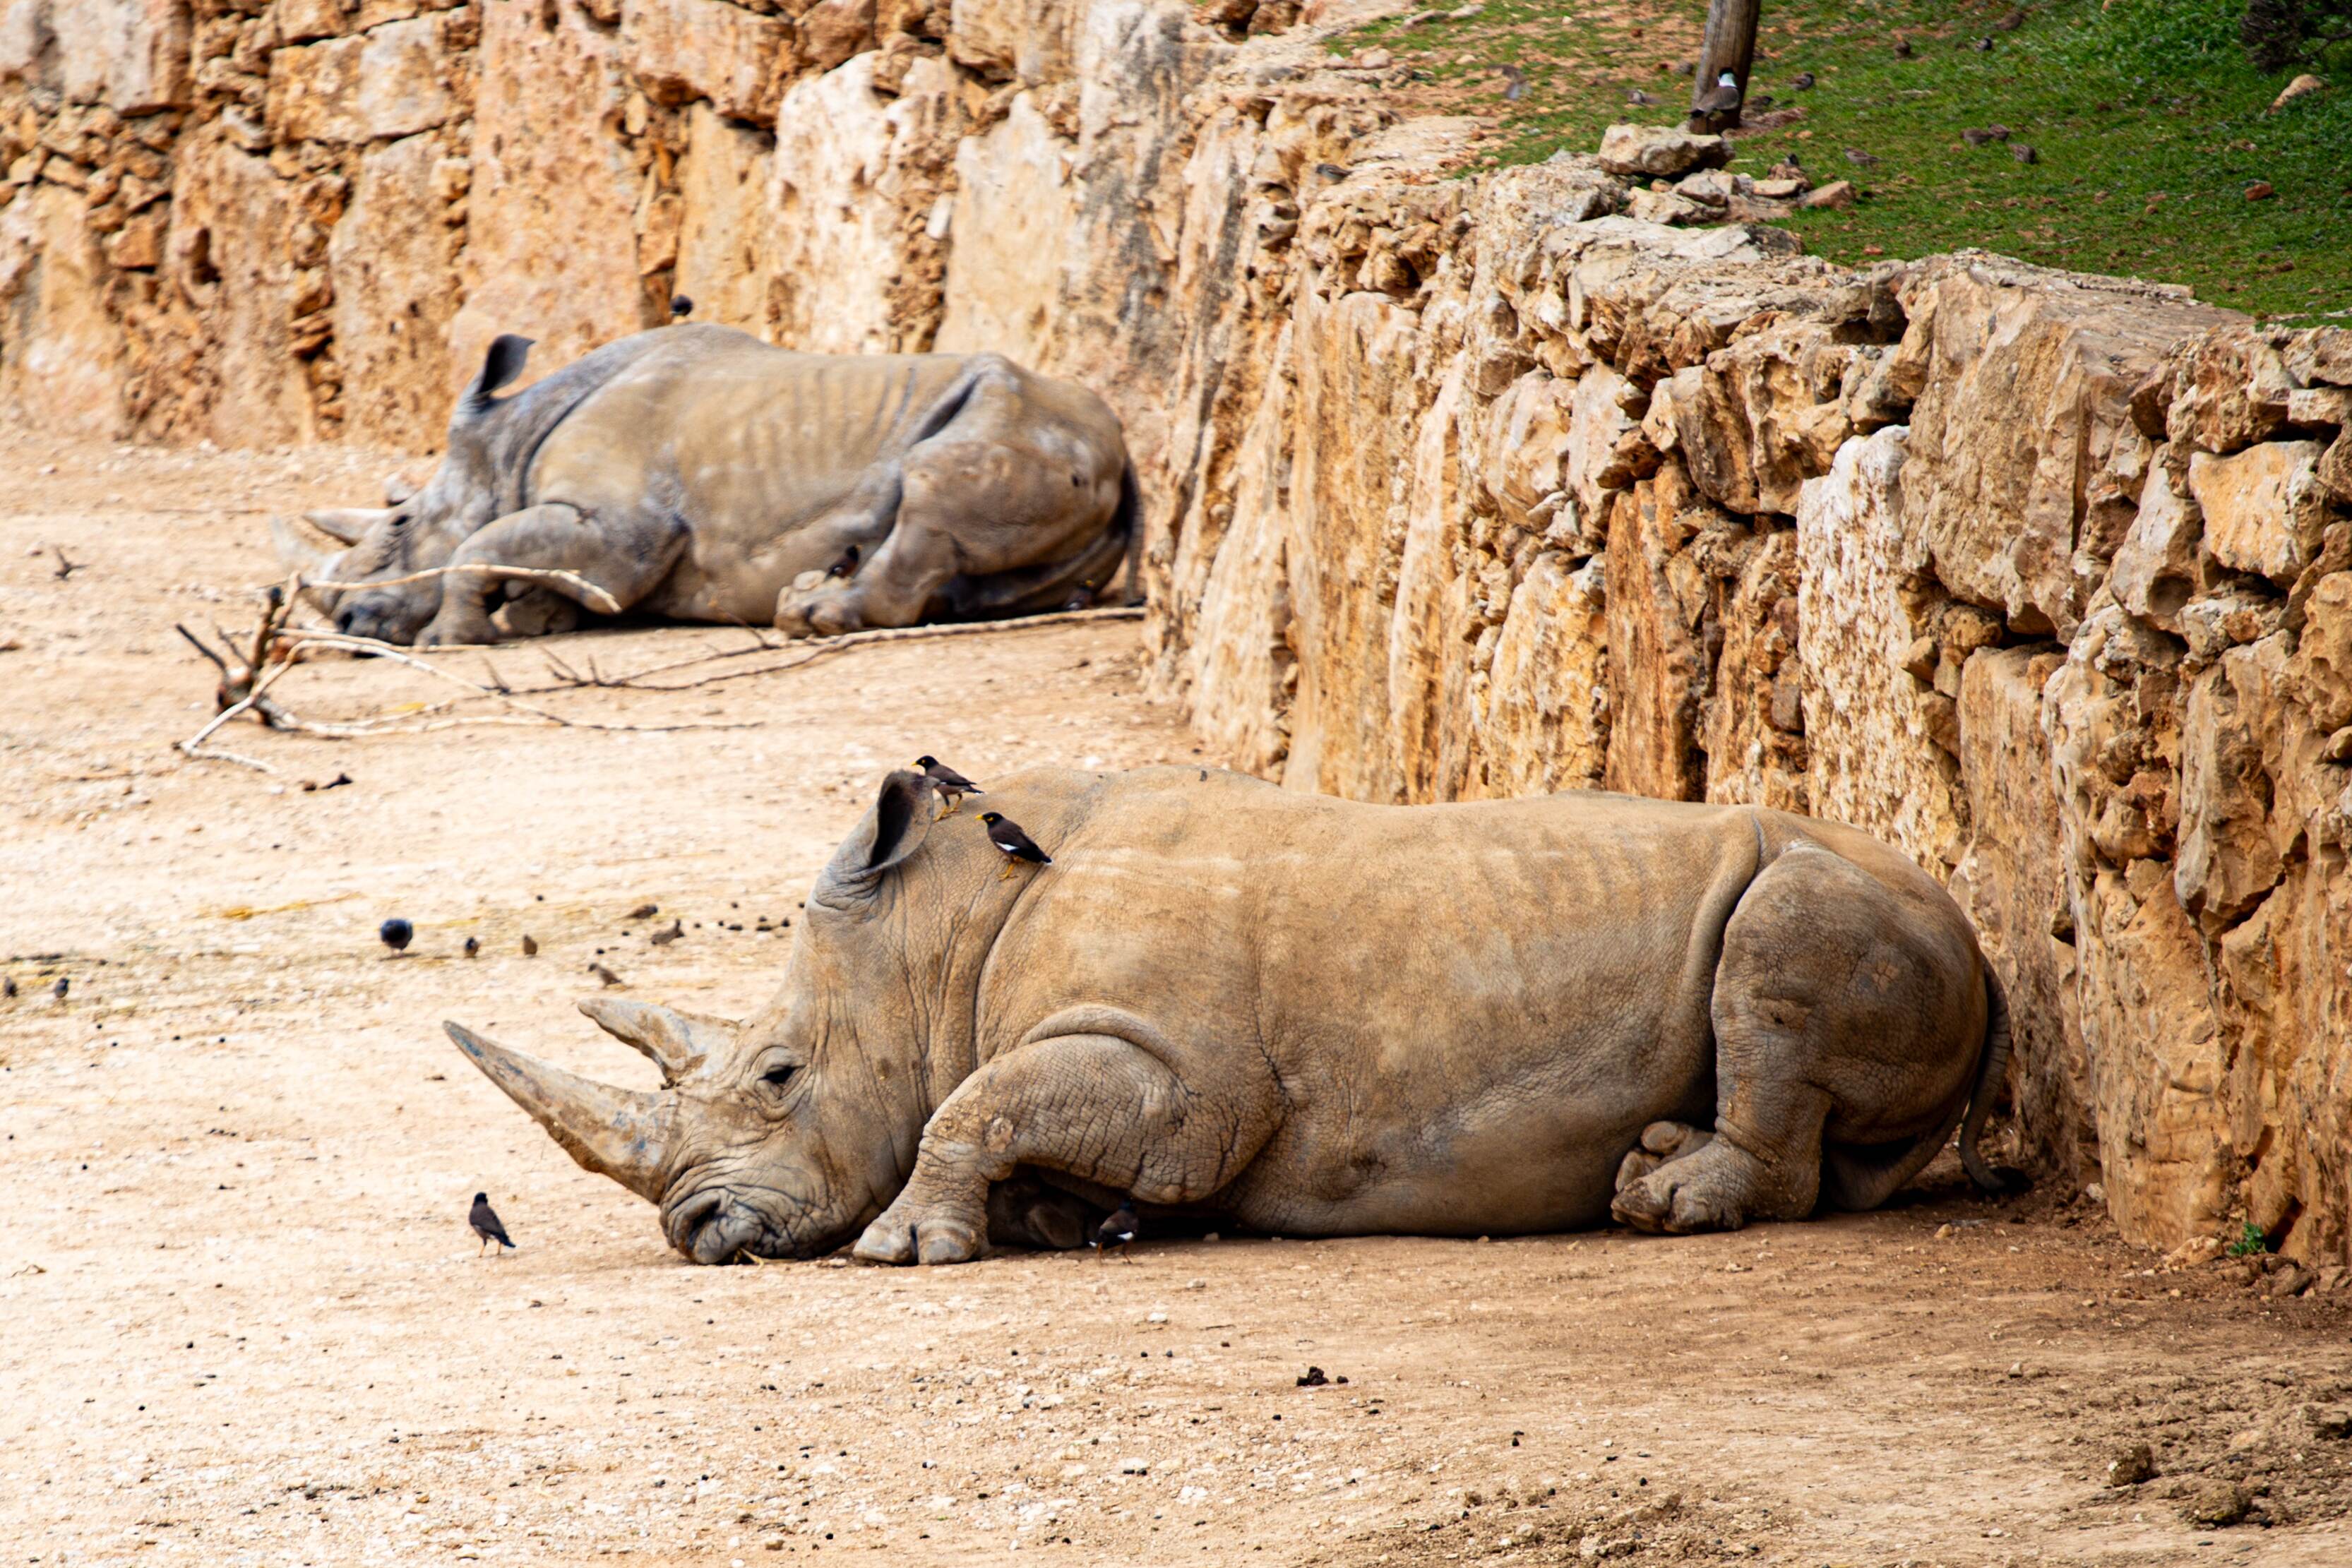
61 987
1017 846
529 945
1118 1231
612 981
473 947
485 1222
681 306
951 785
396 934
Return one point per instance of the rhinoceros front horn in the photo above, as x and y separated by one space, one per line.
619 1132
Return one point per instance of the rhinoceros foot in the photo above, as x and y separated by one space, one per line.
1662 1142
1715 1188
910 1234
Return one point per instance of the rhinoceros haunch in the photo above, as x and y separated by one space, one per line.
700 474
1307 1017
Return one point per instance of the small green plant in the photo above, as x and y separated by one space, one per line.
2250 1242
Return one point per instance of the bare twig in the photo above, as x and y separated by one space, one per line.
596 599
64 568
206 755
814 648
403 656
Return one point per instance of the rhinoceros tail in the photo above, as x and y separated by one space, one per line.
1128 519
1992 1070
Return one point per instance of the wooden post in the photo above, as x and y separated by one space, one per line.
1731 46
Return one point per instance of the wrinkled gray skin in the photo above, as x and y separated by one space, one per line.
1307 1017
699 474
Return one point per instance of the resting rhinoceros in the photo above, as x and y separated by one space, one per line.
1307 1017
696 473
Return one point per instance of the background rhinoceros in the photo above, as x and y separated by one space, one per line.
1310 1016
698 473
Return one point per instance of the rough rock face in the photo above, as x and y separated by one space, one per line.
1455 486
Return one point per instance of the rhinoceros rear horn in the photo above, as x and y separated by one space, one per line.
503 362
619 1132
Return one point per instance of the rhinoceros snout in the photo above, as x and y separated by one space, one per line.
712 1227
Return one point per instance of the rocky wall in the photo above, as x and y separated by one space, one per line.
1457 484
2042 577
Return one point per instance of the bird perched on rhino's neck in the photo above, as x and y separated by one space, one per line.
952 786
1017 846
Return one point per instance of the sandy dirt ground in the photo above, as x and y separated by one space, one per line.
242 1320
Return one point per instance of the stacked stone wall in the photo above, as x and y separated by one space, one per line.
1457 484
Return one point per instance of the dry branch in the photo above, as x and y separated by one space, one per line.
595 598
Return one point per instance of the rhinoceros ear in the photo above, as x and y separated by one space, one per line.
501 364
894 829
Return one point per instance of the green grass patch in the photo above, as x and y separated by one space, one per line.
2148 123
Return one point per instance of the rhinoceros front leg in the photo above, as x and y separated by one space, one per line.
1095 1106
617 562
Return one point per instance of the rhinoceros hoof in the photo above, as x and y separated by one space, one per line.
912 1239
1679 1198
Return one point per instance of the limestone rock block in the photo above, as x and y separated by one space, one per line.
130 55
1754 721
1546 724
1014 216
846 200
1029 41
2334 470
1658 666
2155 569
2151 1035
2319 356
2264 507
1594 470
832 31
1669 208
2012 882
393 297
681 51
62 357
545 163
2231 389
1526 439
1873 760
722 185
2323 661
2230 853
233 227
1660 152
393 81
2025 380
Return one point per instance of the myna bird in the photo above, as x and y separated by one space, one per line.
473 947
612 981
1007 836
529 945
396 934
681 306
951 785
1719 105
485 1222
61 987
9 989
1118 1231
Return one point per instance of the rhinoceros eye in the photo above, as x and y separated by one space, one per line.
778 1075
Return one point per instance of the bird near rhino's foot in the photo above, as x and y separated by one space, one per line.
888 489
1289 1011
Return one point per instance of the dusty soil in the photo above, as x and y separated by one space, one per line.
246 1322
